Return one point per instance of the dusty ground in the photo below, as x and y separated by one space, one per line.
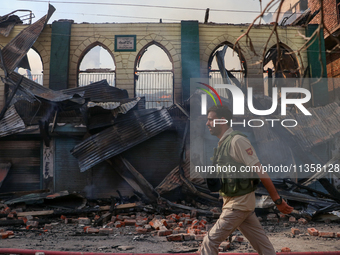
71 237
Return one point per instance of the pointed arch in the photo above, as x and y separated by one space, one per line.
88 72
154 79
282 64
223 56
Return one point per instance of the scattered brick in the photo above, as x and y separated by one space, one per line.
175 238
285 249
48 226
199 237
118 224
338 234
10 233
225 246
92 230
96 217
180 224
186 237
84 221
303 221
313 231
326 234
292 219
164 232
141 230
156 224
148 228
129 222
106 231
63 217
295 231
4 235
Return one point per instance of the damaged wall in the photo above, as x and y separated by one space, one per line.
213 35
86 36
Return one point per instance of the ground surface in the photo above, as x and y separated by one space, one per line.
71 237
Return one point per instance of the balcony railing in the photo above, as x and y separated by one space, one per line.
88 78
156 86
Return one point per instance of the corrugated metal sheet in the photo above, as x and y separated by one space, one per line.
100 181
7 22
11 123
99 91
156 157
128 131
25 171
318 128
268 141
4 168
29 90
17 48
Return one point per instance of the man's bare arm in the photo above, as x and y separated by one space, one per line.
268 184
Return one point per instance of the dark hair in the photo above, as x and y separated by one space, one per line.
221 111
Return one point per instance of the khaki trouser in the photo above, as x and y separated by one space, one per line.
246 222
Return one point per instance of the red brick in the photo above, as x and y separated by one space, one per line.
180 224
105 231
10 233
110 224
199 237
303 221
140 230
84 221
187 221
129 222
156 224
92 230
326 234
292 219
285 249
203 221
118 224
119 217
175 238
225 246
61 217
48 226
186 237
295 231
96 217
164 232
4 235
148 228
338 234
11 215
313 231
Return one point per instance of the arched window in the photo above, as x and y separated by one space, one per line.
31 66
154 76
225 66
96 64
286 67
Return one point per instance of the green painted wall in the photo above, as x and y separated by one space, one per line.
190 54
319 89
60 52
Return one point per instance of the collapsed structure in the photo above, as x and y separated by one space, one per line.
103 141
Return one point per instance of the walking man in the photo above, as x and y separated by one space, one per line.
237 189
